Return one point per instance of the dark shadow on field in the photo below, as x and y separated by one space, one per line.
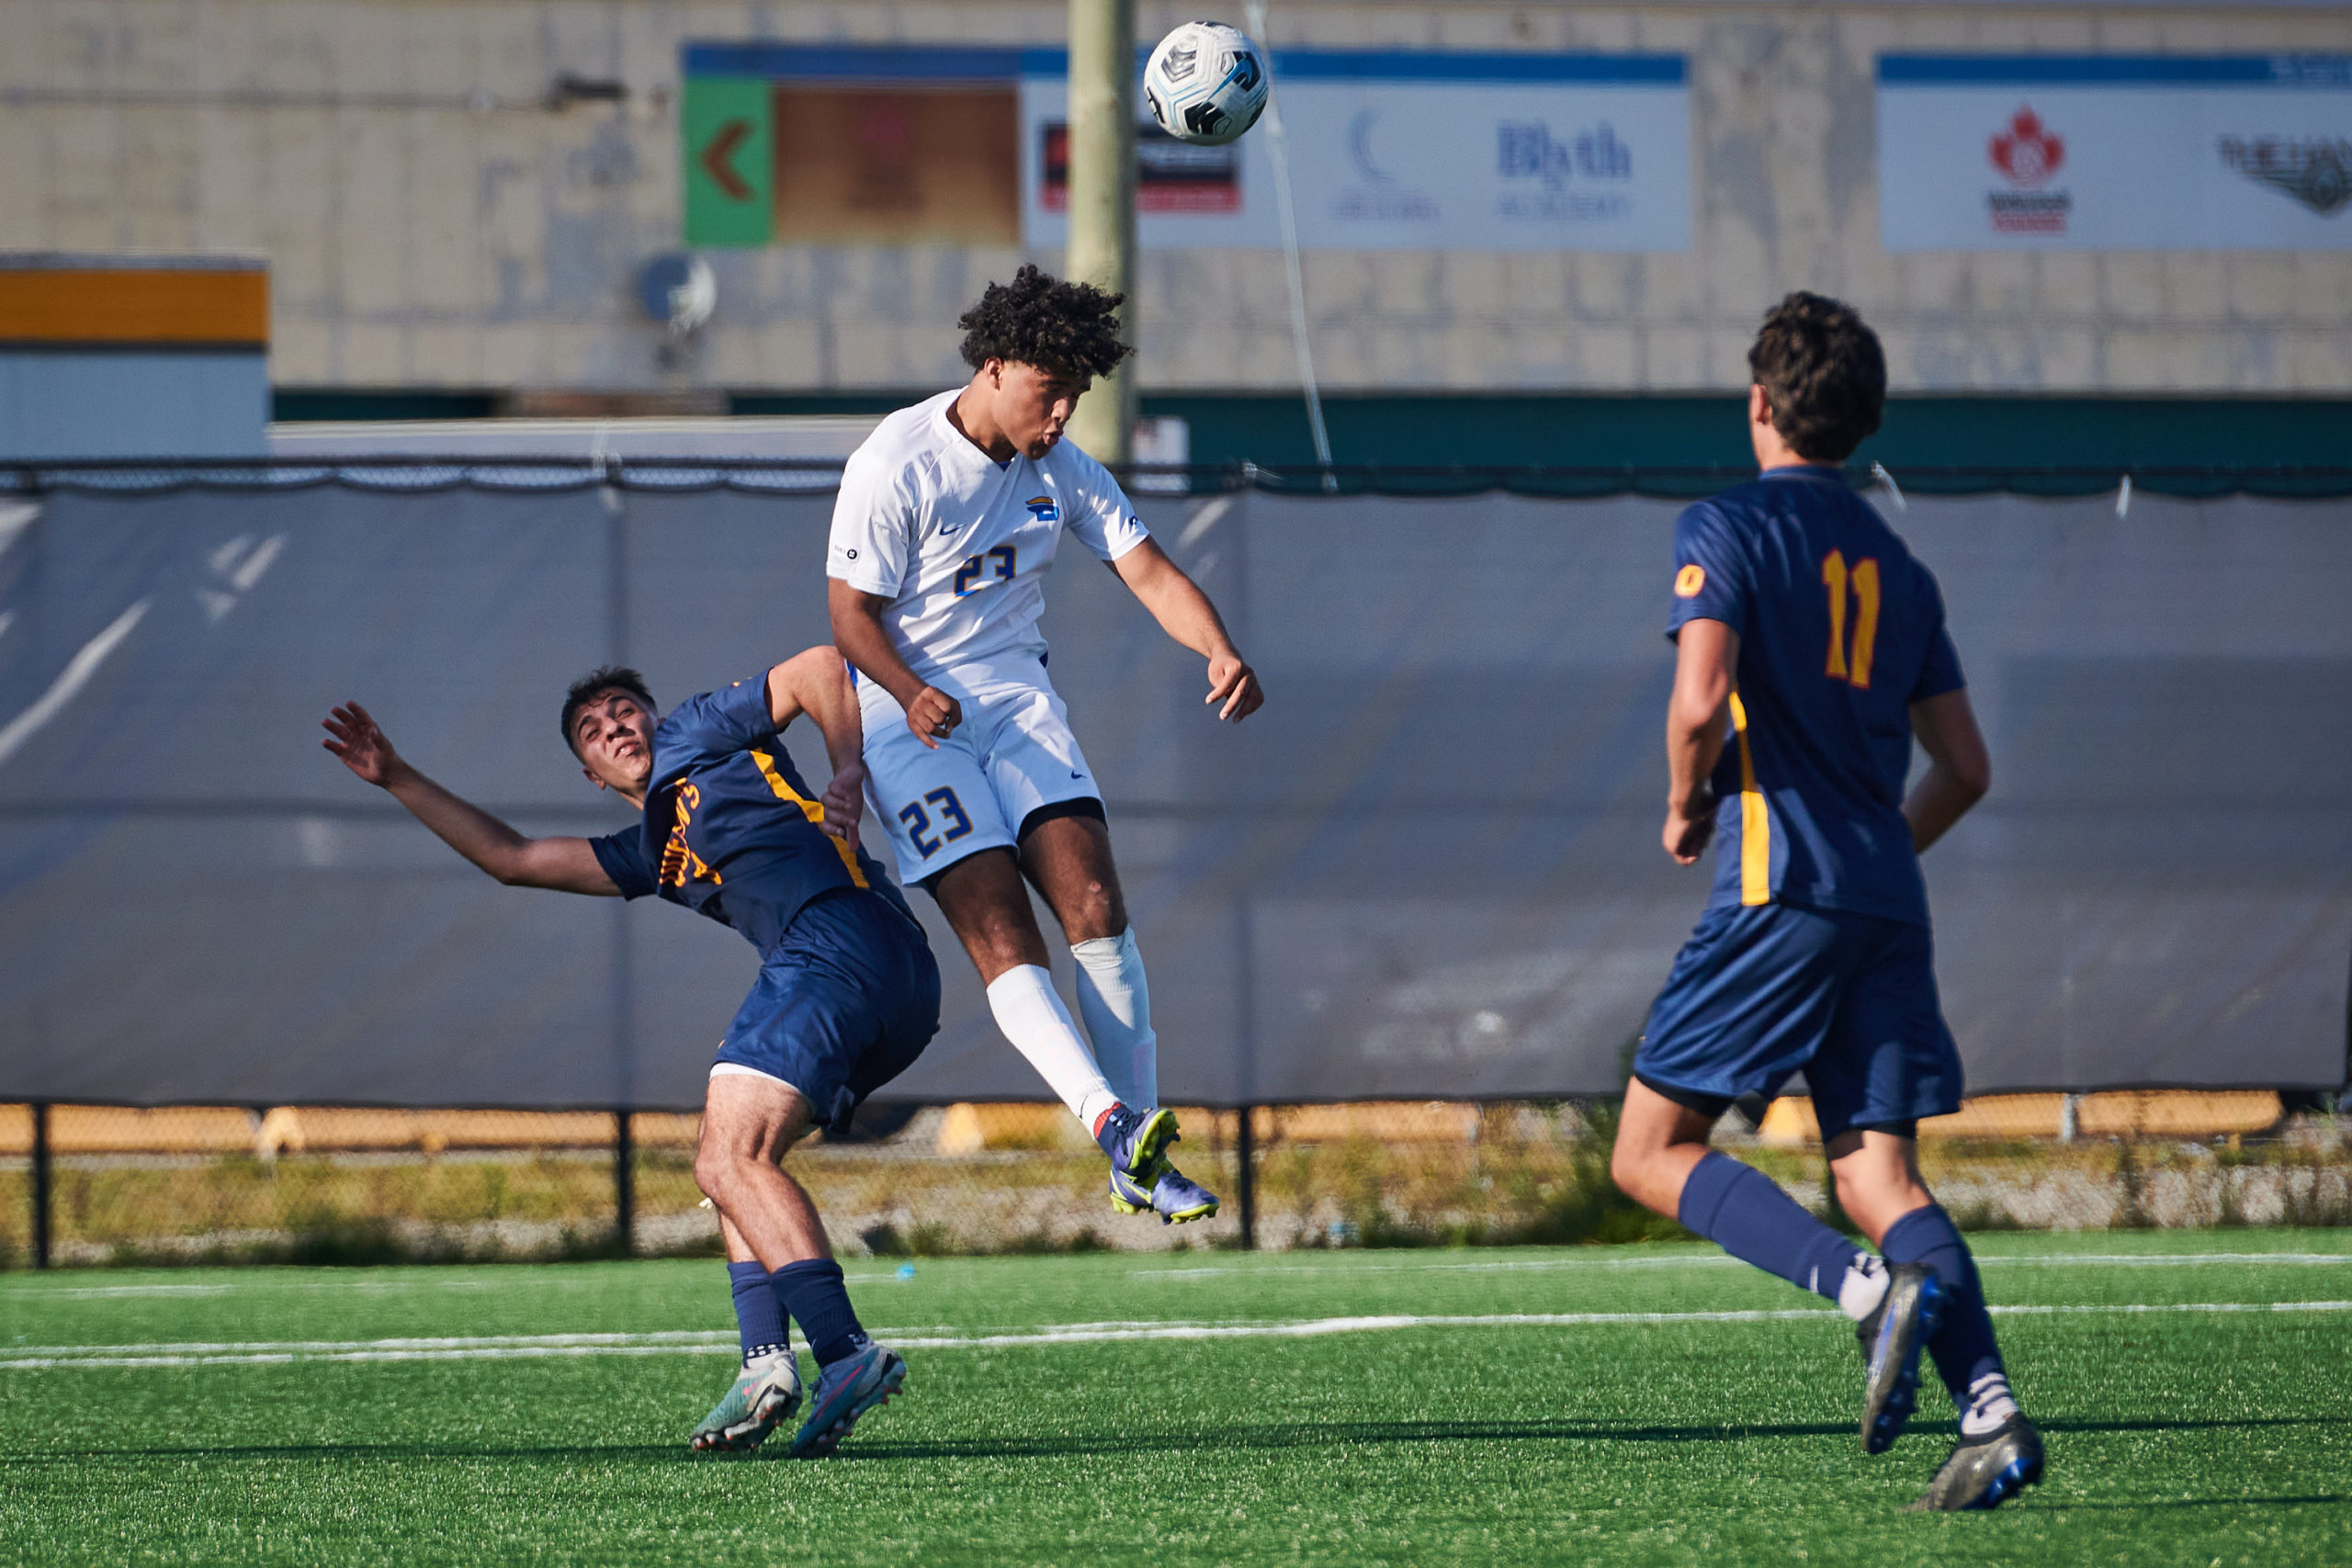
1321 1434
1287 1435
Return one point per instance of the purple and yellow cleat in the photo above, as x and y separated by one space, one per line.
1176 1198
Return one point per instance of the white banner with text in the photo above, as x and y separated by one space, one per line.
1414 152
2174 152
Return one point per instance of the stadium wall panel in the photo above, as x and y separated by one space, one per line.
441 211
1428 869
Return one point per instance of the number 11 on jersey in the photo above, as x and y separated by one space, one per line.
1864 580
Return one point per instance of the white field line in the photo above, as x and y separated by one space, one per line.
515 1346
1718 1261
37 1289
2161 1260
30 1289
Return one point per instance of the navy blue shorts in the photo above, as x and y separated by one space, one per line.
844 1004
1764 991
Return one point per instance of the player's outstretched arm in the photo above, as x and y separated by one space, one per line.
1959 769
1185 614
567 865
817 683
1706 659
863 639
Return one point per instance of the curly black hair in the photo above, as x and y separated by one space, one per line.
1824 373
608 678
1070 328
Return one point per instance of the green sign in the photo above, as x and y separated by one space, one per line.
726 132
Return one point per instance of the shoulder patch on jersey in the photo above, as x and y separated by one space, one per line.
1042 509
1690 580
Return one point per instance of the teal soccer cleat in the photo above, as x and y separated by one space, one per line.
1176 1198
765 1394
845 1391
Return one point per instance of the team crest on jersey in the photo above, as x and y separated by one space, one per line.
1042 510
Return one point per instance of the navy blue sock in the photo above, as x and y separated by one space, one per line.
1740 1209
1963 1346
759 1316
813 1293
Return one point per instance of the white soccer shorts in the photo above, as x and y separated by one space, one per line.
1012 753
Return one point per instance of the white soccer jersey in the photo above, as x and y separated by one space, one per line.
961 543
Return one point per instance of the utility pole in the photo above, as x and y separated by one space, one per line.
1102 202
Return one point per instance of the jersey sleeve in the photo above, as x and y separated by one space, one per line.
714 724
1710 572
1104 519
1940 672
622 855
872 544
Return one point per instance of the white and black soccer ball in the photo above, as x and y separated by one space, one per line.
1206 82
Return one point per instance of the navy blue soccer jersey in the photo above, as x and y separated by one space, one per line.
730 831
1840 631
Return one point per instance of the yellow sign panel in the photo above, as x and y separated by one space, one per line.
229 308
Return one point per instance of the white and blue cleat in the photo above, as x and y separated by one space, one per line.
765 1393
845 1391
1176 1198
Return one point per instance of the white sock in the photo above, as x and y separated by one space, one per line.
1990 1403
1863 1287
1116 1004
1030 1012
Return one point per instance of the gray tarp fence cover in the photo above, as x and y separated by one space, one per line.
1429 868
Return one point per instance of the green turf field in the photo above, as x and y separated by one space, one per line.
1204 1407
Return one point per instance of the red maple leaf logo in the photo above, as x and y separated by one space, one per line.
2027 152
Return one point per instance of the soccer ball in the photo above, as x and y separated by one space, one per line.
1205 81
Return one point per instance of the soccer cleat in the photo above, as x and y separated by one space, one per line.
1985 1473
1892 1337
845 1391
765 1396
1176 1198
1135 1139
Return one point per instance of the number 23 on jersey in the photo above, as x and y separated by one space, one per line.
975 572
951 810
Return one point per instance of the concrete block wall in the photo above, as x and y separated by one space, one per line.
429 222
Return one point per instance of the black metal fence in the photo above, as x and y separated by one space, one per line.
92 1186
414 473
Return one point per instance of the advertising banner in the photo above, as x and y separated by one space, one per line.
1436 151
805 144
910 144
725 124
2174 152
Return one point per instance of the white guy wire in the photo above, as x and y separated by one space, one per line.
1279 149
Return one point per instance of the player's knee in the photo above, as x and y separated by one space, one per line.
1629 1168
1874 1196
719 1170
710 1172
1005 945
1096 911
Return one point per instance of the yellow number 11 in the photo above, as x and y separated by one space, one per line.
1865 583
